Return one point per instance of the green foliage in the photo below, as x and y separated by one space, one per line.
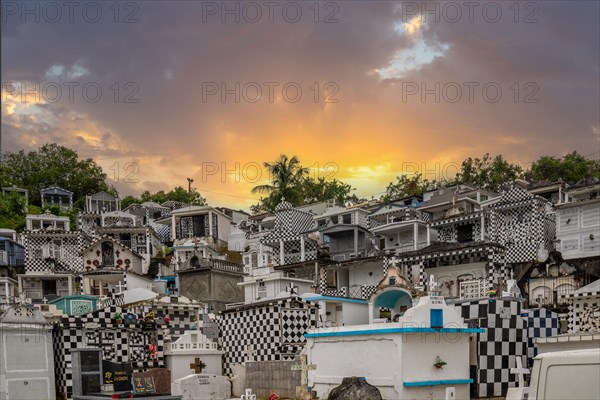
290 180
286 176
12 211
53 165
407 186
316 190
177 194
487 172
570 169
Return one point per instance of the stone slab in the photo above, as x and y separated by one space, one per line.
202 386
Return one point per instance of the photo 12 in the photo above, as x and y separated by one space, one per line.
300 200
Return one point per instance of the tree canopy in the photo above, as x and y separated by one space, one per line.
570 169
407 186
290 180
177 194
487 172
53 165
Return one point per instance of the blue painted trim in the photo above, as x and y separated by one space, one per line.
317 298
394 330
442 382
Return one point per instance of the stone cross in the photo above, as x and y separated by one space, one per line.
432 283
121 287
520 372
304 368
197 365
292 289
248 395
45 300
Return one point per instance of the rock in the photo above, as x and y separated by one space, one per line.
355 388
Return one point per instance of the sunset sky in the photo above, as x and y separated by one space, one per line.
371 61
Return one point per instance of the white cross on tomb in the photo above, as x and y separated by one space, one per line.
121 287
520 372
248 395
292 289
304 367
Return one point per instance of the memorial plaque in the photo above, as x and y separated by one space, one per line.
118 375
143 385
161 379
210 330
90 384
90 361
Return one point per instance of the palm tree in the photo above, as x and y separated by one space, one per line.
286 176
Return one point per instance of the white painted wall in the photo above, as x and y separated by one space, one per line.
274 286
236 240
27 361
389 360
447 277
359 274
574 225
355 313
386 361
179 364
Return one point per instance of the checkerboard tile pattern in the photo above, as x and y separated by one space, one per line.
505 339
183 316
290 226
98 329
519 221
71 260
267 331
541 322
583 308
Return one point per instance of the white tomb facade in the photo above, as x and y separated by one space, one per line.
193 348
421 355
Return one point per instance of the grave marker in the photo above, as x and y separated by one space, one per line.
248 395
302 391
143 385
161 379
304 368
197 365
118 375
520 372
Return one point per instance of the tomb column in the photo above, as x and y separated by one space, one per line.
210 225
422 273
302 250
6 292
491 269
173 228
428 235
281 253
482 227
70 283
415 235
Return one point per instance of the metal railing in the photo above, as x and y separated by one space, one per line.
221 265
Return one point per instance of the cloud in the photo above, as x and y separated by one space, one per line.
152 74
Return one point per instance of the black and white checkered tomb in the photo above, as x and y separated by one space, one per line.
266 331
504 340
541 322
